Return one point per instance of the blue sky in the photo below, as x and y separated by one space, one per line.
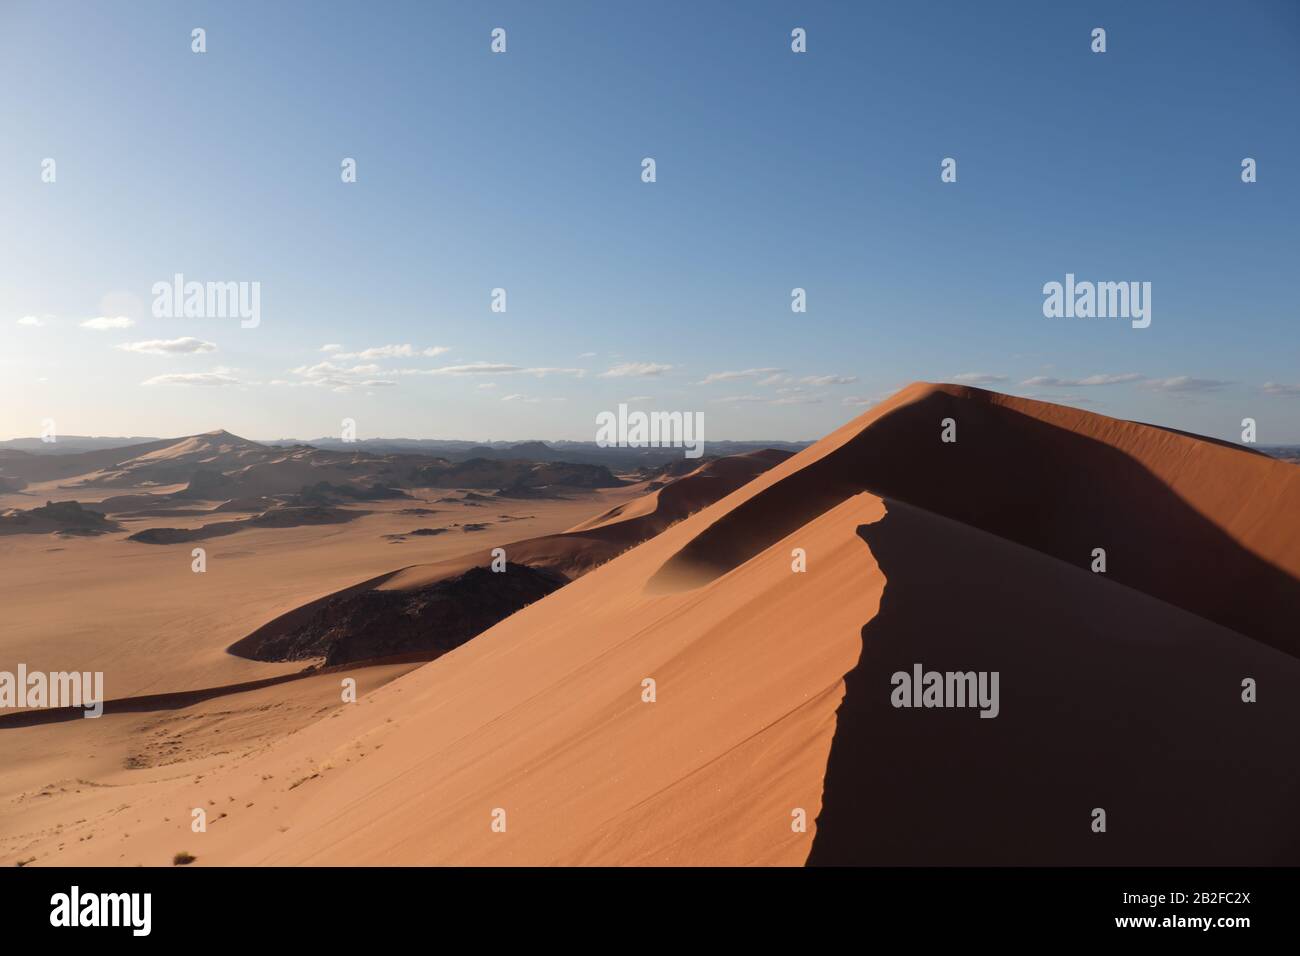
522 171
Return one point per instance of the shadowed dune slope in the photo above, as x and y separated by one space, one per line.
1108 699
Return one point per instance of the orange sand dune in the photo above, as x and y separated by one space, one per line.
773 687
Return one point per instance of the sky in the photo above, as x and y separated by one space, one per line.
523 171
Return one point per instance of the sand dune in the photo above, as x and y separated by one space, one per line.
772 691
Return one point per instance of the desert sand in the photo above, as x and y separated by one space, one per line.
536 743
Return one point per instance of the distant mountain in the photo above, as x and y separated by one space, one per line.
219 466
223 467
1289 453
68 444
573 452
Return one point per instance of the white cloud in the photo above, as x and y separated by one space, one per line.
1120 379
388 351
332 347
495 368
520 398
636 369
774 376
473 368
733 376
978 378
822 380
103 323
736 399
182 346
1052 382
1279 390
217 377
31 320
327 368
341 378
1184 383
548 370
